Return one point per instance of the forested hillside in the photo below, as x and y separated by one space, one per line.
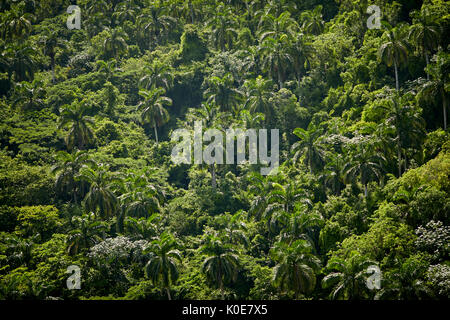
357 209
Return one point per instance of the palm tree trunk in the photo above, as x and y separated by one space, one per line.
399 156
213 176
168 293
156 134
444 109
396 75
427 62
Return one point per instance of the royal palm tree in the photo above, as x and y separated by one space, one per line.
50 42
100 199
156 23
162 267
152 108
67 168
309 146
20 61
115 43
143 228
364 164
156 74
222 92
276 55
223 28
296 266
15 24
29 95
424 34
222 263
349 277
394 51
438 85
258 93
312 21
80 133
108 68
86 233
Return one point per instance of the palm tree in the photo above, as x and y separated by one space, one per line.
223 27
309 146
438 85
395 50
259 187
80 133
365 163
333 174
29 95
222 92
152 108
258 92
157 74
115 43
162 268
425 34
300 226
108 68
301 53
67 168
20 61
312 21
156 23
275 53
140 197
406 123
222 264
296 266
143 228
15 24
87 232
349 277
50 42
100 199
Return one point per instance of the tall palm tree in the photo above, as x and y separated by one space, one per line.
394 51
152 108
223 27
162 268
143 228
438 85
365 164
156 23
222 264
115 43
50 42
20 61
157 74
406 123
258 92
100 199
15 24
86 233
312 21
222 91
349 277
80 133
108 68
67 168
276 55
309 146
29 95
425 34
296 266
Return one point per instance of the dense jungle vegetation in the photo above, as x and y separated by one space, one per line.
86 176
